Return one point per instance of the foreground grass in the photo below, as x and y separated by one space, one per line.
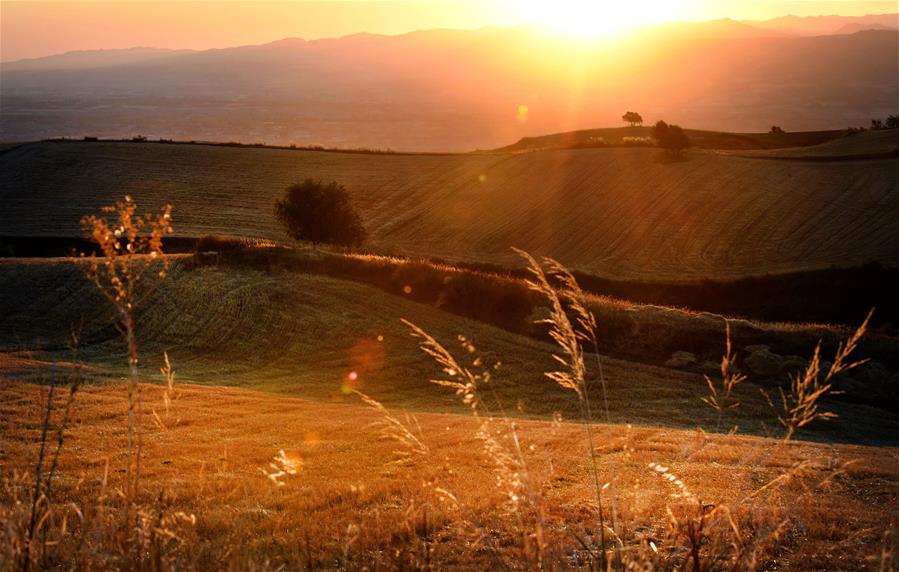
353 503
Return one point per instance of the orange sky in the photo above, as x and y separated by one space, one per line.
33 28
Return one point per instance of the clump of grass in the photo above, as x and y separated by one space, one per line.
392 428
801 405
723 400
572 325
501 443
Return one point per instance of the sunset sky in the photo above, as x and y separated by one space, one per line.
32 28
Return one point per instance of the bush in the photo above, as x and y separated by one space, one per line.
671 138
505 303
320 212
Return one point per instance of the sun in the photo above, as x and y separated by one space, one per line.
596 18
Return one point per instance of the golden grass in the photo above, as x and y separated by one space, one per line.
208 462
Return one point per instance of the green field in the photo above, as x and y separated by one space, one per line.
617 212
301 334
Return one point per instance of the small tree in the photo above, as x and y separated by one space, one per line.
776 130
671 138
892 122
633 118
317 212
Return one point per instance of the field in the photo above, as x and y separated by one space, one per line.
618 212
271 359
356 503
302 429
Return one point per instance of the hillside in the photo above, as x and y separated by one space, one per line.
439 90
620 213
302 334
872 143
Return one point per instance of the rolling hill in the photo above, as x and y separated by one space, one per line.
302 334
699 139
620 212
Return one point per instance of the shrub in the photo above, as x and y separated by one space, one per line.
505 303
671 138
320 212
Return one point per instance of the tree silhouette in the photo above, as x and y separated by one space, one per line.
671 138
317 212
633 118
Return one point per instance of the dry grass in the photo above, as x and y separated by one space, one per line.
610 212
209 458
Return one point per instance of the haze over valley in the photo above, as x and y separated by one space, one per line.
460 90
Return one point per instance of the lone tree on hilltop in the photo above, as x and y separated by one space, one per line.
671 138
633 118
320 212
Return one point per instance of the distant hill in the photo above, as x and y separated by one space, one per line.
823 25
618 212
855 27
88 59
458 90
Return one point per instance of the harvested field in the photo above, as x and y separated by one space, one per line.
620 213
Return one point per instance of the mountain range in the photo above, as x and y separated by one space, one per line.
458 90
